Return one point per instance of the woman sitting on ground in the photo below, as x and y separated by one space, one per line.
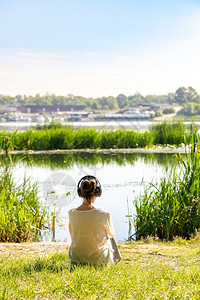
90 228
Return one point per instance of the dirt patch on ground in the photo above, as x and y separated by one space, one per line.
34 249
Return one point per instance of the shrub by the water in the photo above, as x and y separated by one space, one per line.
22 216
172 133
173 208
168 110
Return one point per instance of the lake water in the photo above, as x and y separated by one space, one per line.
109 124
122 176
139 125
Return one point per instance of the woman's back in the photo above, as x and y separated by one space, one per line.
90 231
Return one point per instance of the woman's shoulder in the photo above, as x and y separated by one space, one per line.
95 211
102 211
71 210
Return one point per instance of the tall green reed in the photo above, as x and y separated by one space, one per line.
170 132
173 207
22 217
56 137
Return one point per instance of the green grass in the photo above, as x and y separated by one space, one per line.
152 270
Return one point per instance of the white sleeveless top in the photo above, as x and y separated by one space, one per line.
89 231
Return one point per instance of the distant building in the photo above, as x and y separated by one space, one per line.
81 115
49 108
154 105
8 108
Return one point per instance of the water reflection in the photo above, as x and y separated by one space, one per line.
122 175
65 161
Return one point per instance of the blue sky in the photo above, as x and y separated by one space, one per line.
97 47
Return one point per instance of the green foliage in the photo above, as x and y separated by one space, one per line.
122 100
172 133
158 113
181 96
185 95
173 208
56 137
68 138
7 100
190 109
6 141
136 99
21 214
168 110
51 125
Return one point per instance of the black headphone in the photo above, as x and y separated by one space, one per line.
98 189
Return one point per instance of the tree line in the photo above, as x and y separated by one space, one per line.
182 96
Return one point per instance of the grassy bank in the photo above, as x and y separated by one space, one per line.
153 270
56 137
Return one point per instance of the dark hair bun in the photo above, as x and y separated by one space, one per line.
87 186
88 189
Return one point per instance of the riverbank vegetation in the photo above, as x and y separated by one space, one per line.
181 96
56 137
148 270
172 208
189 109
22 216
